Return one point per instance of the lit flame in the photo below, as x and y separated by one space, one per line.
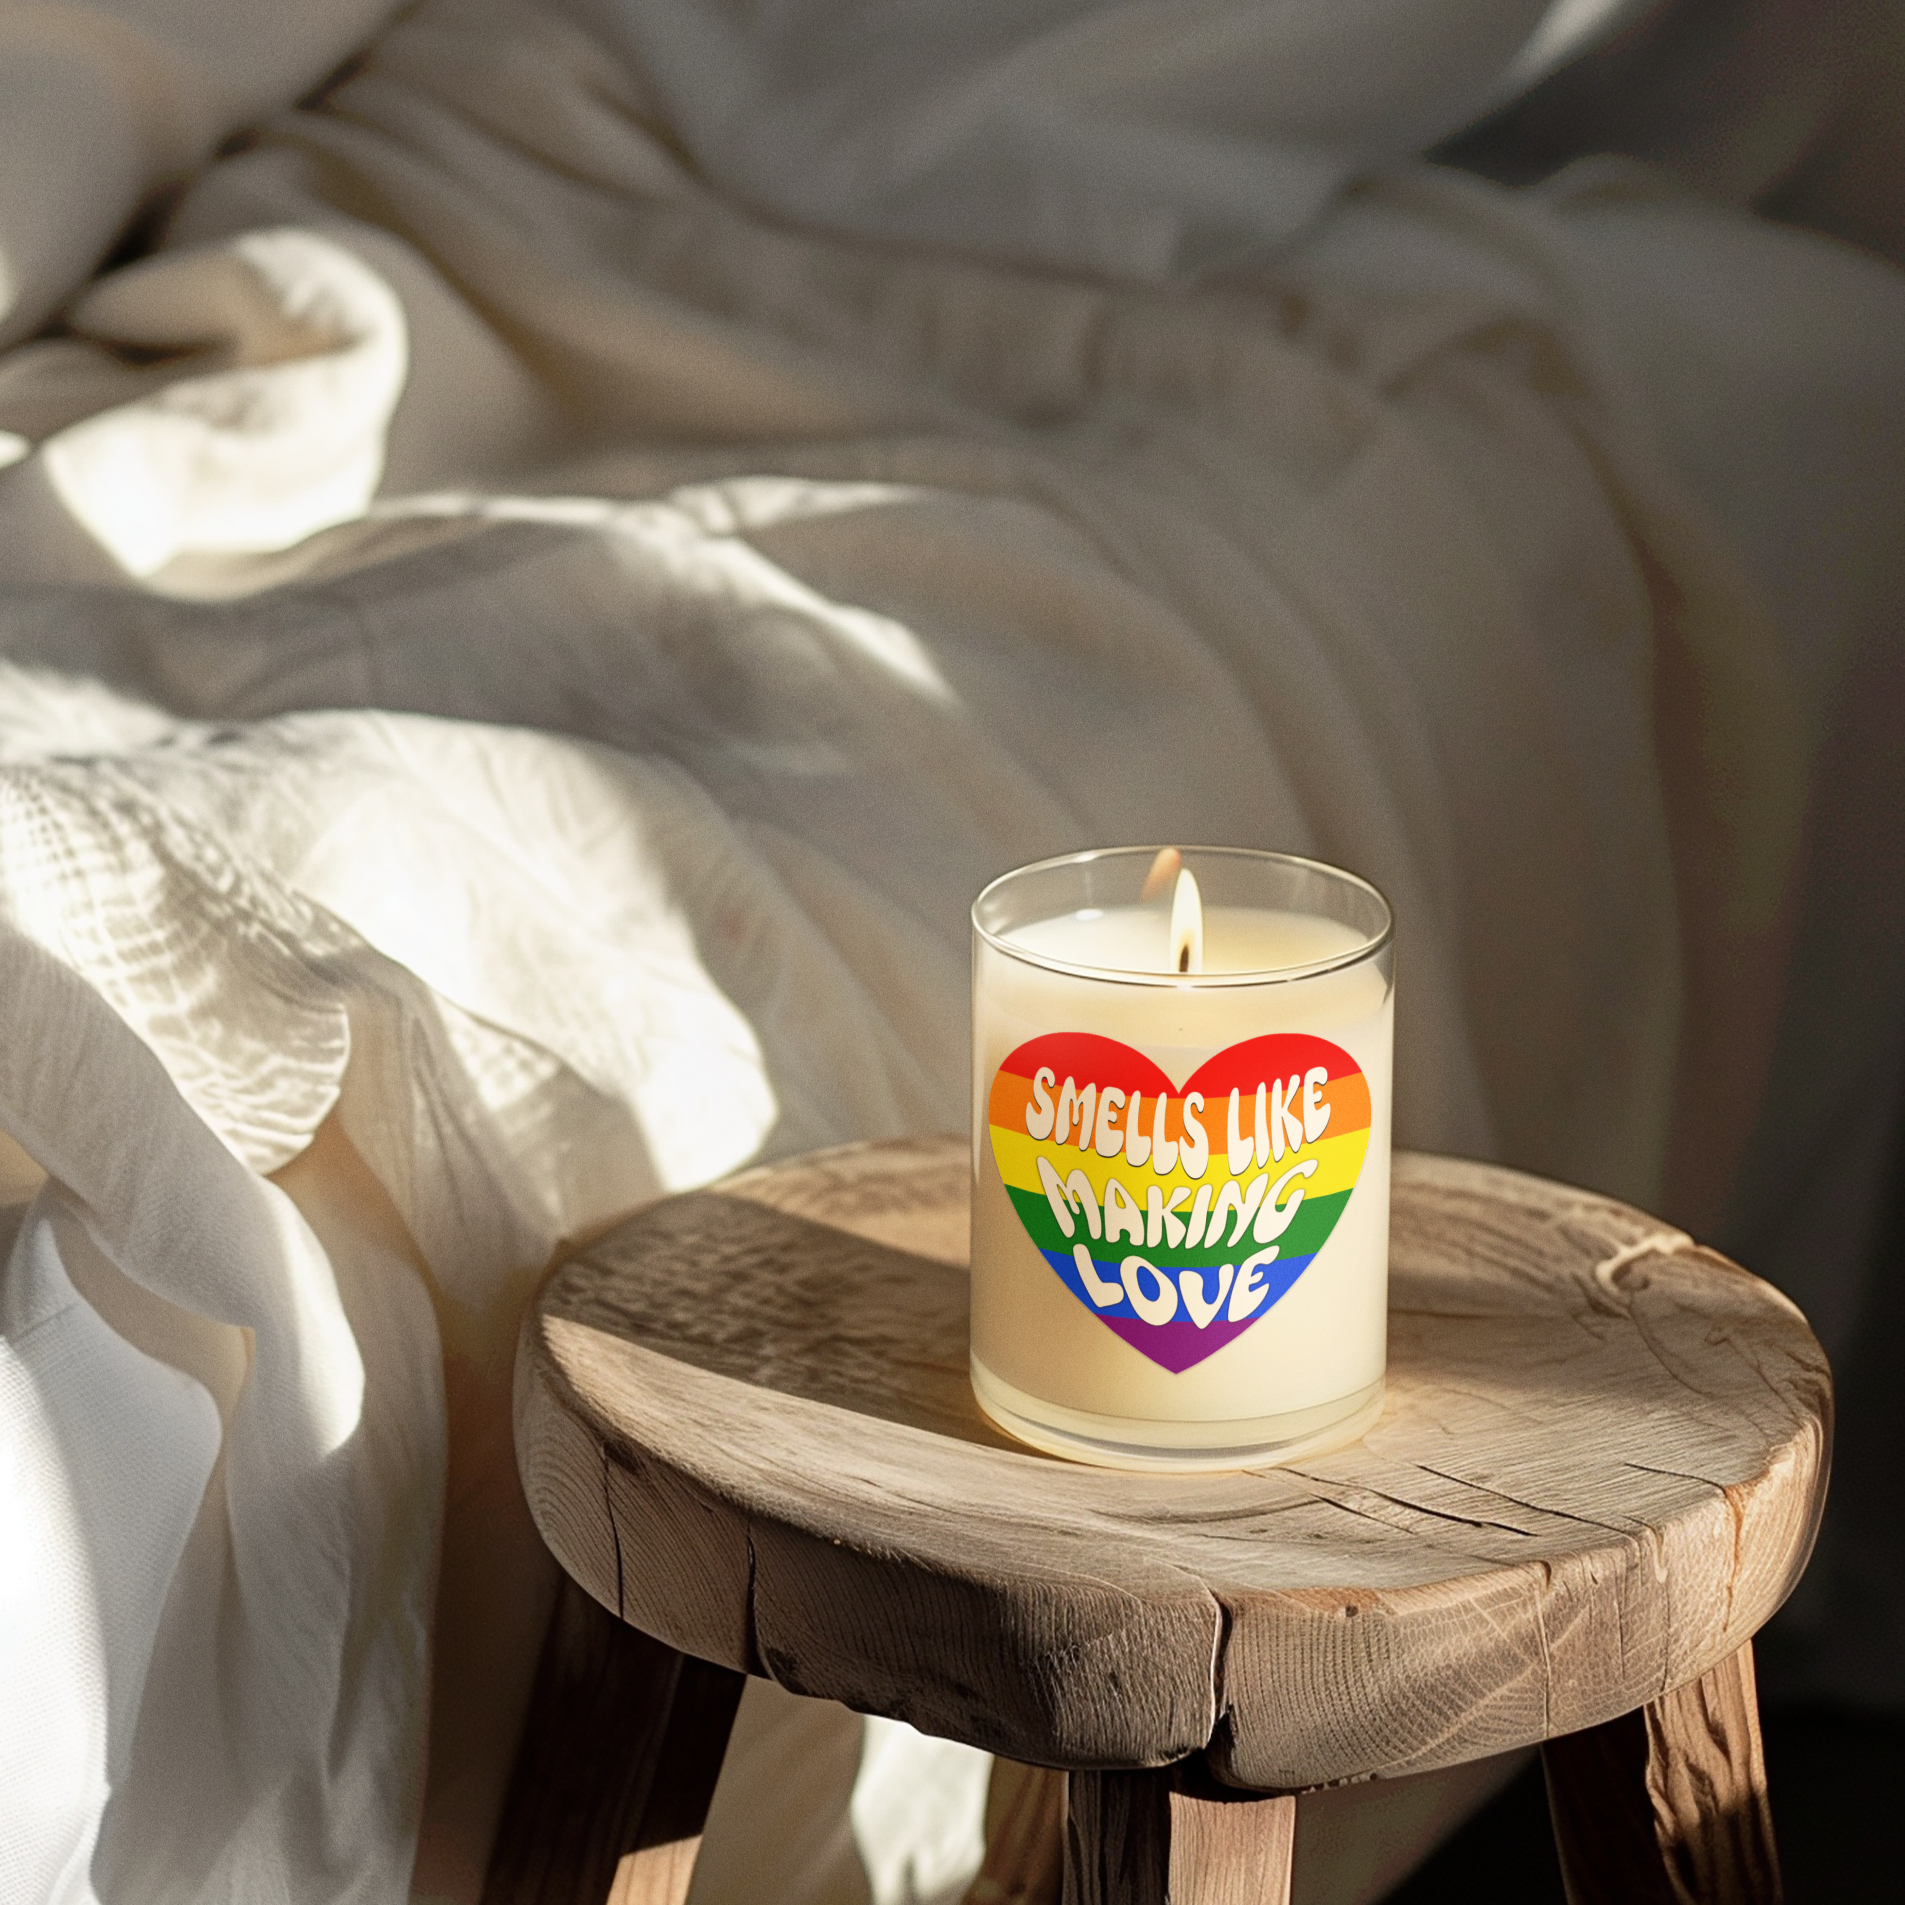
1187 924
1187 908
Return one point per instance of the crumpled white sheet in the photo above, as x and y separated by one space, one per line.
1137 140
590 644
1140 141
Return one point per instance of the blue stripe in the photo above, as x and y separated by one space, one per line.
1277 1276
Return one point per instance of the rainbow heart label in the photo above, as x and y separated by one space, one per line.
1179 1216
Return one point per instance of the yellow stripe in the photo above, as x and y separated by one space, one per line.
1338 1161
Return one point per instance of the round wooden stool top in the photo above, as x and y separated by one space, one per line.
743 1423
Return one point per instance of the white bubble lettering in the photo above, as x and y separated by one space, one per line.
1156 1305
1102 1291
1191 1283
1040 1115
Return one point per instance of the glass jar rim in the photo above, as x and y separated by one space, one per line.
1370 947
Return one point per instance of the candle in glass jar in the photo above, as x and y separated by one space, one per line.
1180 1158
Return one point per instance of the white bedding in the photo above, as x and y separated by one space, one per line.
508 723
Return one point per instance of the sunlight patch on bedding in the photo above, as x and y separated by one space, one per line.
697 538
731 571
286 440
763 502
526 880
732 507
50 714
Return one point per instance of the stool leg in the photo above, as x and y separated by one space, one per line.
1175 1837
619 1756
1667 1805
1025 1837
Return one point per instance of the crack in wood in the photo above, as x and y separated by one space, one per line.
1412 1507
615 1536
1626 1529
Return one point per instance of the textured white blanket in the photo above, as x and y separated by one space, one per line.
512 666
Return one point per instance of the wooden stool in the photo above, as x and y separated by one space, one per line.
744 1425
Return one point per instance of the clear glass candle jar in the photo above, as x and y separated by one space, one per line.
1180 1198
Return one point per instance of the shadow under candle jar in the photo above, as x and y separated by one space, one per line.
1180 1155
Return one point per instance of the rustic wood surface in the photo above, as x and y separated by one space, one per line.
1025 1837
620 1752
1667 1805
1174 1836
743 1420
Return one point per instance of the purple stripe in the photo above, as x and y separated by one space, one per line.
1179 1344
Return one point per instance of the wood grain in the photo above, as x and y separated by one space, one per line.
1025 1837
1668 1805
618 1761
1706 1776
743 1420
1175 1836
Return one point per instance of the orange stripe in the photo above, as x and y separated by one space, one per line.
1348 1100
1011 1094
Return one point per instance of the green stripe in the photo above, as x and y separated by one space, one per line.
1314 1221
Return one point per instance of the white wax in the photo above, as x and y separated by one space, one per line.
1325 1338
1138 939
